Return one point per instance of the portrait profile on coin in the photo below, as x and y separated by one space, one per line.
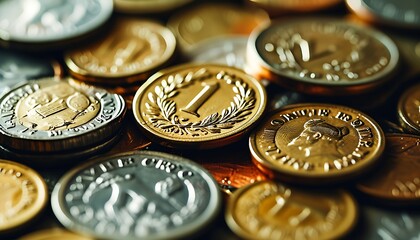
320 139
56 107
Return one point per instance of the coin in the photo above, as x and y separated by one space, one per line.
50 115
51 21
316 143
132 49
133 195
390 12
148 7
397 179
270 210
198 106
205 21
23 195
409 109
323 56
292 6
17 66
54 234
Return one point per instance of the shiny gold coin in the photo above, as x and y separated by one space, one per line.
147 6
270 210
323 56
23 195
198 106
54 234
275 7
316 143
409 109
208 21
130 52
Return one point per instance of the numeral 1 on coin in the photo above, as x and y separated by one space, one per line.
200 98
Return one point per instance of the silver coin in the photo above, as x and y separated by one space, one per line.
38 21
132 195
50 115
230 51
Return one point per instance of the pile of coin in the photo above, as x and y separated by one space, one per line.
198 119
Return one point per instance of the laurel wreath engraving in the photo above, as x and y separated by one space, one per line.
161 110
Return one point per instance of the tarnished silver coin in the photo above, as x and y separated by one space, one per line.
40 21
136 195
51 115
16 67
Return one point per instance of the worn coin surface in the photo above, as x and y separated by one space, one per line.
50 115
409 109
397 178
134 195
324 56
127 54
198 106
44 21
23 195
270 210
316 143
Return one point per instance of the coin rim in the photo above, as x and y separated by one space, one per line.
403 117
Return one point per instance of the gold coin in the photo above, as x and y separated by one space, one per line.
129 53
270 210
198 106
147 6
23 195
208 21
54 234
316 143
323 56
409 109
275 7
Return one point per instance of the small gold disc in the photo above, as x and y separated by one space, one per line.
54 234
270 210
198 106
23 195
409 109
316 143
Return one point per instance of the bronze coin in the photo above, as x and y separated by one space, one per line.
409 109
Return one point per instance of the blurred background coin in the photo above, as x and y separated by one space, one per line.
133 195
322 56
198 105
316 144
23 195
409 109
148 6
54 234
275 7
270 210
132 50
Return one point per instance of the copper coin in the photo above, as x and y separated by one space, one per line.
147 6
316 143
275 7
397 178
54 234
409 109
323 56
199 105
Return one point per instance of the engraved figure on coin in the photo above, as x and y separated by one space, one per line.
320 139
56 107
132 206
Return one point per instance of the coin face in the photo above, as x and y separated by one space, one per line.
147 6
397 180
23 195
409 109
198 106
316 143
135 195
54 234
277 7
40 21
323 56
270 210
132 48
49 115
391 12
206 21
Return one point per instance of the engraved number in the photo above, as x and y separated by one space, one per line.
200 98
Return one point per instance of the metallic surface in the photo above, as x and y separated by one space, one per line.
198 105
147 6
286 6
23 195
409 109
50 115
397 178
132 48
351 59
316 143
54 234
270 210
133 195
39 21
